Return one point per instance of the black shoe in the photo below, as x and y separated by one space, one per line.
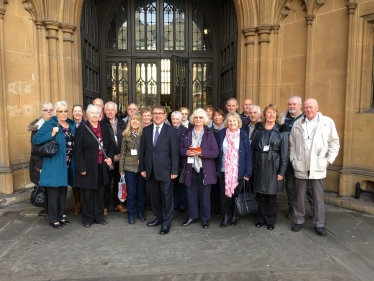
164 230
205 224
101 222
55 225
296 227
224 221
321 231
141 217
64 222
154 223
130 219
87 225
290 213
259 224
234 220
189 221
271 227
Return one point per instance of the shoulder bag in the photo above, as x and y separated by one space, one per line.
245 202
39 197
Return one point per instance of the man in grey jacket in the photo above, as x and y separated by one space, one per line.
314 145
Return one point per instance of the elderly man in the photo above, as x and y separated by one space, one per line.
314 145
232 106
118 126
100 103
254 117
246 105
131 109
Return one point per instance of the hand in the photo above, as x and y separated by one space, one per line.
193 153
173 176
117 157
144 174
108 161
83 173
122 174
54 131
245 178
280 178
327 164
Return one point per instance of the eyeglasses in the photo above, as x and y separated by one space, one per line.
47 110
158 113
62 111
199 117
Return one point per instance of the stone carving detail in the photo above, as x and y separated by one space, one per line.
276 28
351 8
309 19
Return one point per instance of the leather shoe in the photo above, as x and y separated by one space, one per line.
205 224
64 222
141 217
121 208
101 222
234 220
189 221
320 231
55 225
258 224
296 227
224 221
164 230
271 227
154 223
87 225
130 219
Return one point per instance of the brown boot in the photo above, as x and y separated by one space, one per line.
78 200
121 208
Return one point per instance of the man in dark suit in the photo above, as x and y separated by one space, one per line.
158 163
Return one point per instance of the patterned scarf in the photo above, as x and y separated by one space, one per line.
231 162
197 143
134 134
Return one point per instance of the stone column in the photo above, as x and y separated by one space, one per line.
249 35
52 28
264 32
346 184
309 58
68 31
6 177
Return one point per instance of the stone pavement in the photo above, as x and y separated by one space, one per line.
30 249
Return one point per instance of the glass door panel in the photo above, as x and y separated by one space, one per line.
146 84
179 81
117 84
202 84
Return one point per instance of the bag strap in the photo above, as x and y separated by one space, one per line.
92 133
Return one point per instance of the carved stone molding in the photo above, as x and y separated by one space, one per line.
249 34
2 13
52 28
264 31
276 28
68 31
285 11
351 8
309 19
38 24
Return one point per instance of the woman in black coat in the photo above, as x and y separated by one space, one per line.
270 159
92 173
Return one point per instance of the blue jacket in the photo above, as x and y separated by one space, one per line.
245 154
54 169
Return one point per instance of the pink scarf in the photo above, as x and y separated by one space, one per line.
231 163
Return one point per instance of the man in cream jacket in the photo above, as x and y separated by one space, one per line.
314 145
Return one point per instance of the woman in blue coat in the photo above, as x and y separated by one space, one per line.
58 170
234 164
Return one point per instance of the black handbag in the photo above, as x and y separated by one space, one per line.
245 202
47 149
182 175
39 197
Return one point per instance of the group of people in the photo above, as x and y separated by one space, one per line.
186 162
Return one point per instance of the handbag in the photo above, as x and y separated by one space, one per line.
47 149
245 202
182 174
122 189
111 166
39 197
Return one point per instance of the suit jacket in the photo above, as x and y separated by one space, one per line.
86 153
163 158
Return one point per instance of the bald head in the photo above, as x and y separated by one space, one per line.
98 102
246 104
311 108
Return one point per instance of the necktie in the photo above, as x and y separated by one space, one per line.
157 133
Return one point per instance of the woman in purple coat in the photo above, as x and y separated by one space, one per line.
198 149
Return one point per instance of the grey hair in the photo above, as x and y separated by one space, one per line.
58 105
92 107
255 106
177 114
233 114
203 113
111 102
45 106
230 99
298 97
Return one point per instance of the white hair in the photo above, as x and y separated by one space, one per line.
113 103
255 106
297 97
92 107
203 113
45 105
58 105
177 114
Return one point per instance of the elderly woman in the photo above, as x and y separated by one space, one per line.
57 170
234 164
198 147
78 114
128 166
185 113
180 196
147 116
270 158
92 173
36 161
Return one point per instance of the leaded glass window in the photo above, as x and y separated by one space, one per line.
201 33
117 34
202 84
174 25
145 25
118 84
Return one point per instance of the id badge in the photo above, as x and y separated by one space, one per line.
190 160
134 152
115 138
266 148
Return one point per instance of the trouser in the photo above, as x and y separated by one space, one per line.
216 193
228 203
135 185
198 195
114 178
161 193
180 195
93 201
319 207
56 203
267 208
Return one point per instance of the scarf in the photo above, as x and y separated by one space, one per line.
134 134
215 127
231 162
197 144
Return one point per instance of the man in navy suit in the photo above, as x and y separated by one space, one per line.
158 163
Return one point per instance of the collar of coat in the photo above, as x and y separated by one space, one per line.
277 127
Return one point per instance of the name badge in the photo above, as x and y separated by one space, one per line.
190 160
101 145
134 152
266 148
115 138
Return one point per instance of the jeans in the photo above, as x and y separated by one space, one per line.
135 185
